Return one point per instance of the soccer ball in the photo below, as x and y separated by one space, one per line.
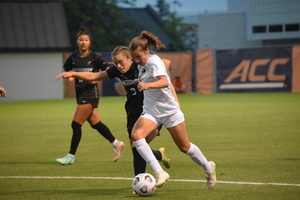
144 184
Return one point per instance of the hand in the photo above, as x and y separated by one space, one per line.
142 86
64 75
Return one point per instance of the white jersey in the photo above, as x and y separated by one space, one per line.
158 102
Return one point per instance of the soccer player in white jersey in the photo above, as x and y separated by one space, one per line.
160 107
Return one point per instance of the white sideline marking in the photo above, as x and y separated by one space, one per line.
239 183
123 178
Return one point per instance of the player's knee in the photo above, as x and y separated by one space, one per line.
75 126
184 149
134 136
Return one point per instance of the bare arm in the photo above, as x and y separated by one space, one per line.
160 83
167 65
87 76
174 93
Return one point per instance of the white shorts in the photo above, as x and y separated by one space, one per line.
168 121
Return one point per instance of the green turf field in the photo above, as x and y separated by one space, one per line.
253 138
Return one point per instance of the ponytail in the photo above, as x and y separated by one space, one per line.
144 40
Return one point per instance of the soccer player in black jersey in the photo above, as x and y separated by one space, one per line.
87 95
126 70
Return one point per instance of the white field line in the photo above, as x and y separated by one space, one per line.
123 178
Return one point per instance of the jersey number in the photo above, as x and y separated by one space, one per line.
133 91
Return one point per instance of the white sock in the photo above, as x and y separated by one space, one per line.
146 152
196 155
115 142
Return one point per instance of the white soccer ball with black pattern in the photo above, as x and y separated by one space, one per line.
144 184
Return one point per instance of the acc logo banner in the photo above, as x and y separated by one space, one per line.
254 70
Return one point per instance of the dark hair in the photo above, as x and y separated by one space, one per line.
84 31
144 40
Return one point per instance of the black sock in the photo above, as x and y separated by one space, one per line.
157 154
104 131
76 137
139 163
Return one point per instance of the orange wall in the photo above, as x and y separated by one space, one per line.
181 65
204 71
296 69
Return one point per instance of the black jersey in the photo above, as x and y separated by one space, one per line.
85 91
134 103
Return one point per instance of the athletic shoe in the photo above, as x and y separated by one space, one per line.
165 160
162 177
117 149
68 159
211 176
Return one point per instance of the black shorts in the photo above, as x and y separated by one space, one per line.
131 121
94 102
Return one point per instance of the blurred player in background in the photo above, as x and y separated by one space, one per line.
87 95
126 70
160 107
178 85
2 92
